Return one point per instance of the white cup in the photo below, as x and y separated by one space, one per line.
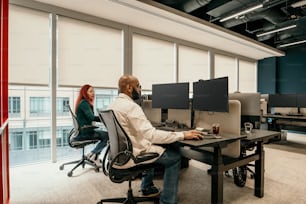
248 127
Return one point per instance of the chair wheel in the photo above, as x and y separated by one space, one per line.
240 175
97 169
227 174
61 167
69 173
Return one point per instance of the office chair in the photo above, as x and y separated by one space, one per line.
78 144
240 172
120 152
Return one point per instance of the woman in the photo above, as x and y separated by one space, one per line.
85 116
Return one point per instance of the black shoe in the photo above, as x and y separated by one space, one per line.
150 191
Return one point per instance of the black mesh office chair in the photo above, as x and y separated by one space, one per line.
119 153
79 144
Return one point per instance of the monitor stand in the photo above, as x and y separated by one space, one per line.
296 114
164 115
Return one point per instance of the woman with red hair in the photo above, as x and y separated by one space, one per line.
85 116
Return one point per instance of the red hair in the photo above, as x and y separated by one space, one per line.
83 95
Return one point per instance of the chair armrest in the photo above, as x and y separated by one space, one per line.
145 157
89 127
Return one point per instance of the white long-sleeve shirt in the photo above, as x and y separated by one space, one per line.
140 130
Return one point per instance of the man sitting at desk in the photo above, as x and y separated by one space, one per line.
144 138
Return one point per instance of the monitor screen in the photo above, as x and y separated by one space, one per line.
282 100
301 100
211 95
170 96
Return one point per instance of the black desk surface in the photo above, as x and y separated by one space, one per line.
255 135
284 116
226 139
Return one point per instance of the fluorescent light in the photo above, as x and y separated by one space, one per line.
241 12
276 30
299 4
293 43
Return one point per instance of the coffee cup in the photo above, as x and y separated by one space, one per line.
216 128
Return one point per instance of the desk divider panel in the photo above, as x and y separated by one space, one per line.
183 116
153 114
229 123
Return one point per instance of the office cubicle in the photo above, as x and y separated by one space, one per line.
250 107
229 123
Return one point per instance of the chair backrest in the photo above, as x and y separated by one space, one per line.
76 128
118 139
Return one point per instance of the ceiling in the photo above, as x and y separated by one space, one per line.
271 15
158 18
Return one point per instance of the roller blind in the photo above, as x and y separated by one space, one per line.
247 76
153 61
88 53
29 46
193 64
226 66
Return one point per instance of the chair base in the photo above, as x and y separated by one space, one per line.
82 162
130 199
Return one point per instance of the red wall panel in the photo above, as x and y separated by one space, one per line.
4 159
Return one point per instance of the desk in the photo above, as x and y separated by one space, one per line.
286 122
194 150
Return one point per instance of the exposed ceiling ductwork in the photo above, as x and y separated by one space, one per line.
187 6
270 15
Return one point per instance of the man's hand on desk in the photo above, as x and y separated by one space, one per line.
193 135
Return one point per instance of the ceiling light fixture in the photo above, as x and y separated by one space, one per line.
293 43
241 12
298 4
276 30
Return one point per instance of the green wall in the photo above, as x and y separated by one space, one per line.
283 74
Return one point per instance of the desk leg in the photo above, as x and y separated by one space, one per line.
259 171
217 177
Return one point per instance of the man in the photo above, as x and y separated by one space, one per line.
145 138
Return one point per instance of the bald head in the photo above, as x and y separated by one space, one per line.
127 83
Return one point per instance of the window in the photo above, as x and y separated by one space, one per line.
86 49
62 137
44 143
247 76
14 106
32 135
61 105
226 66
193 64
39 106
153 61
104 97
15 142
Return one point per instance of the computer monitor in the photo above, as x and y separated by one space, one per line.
211 95
282 100
170 96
